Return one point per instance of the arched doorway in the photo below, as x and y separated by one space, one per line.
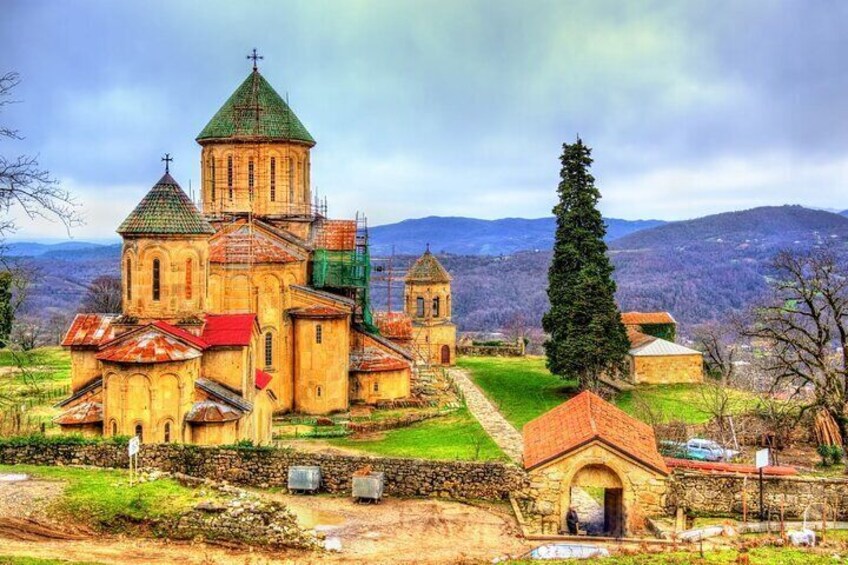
445 355
597 495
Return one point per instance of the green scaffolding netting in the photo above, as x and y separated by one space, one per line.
345 269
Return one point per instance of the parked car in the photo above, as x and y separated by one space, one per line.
708 450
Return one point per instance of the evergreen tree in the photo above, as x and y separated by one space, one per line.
587 338
7 311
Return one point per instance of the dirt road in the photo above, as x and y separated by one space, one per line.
395 531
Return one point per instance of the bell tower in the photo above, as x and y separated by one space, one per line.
427 301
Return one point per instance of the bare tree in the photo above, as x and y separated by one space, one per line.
103 295
804 328
23 183
720 345
719 401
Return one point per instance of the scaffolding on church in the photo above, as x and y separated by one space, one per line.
341 261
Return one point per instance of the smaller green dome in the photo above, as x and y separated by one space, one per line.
255 111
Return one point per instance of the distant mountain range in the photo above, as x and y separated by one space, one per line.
470 236
699 269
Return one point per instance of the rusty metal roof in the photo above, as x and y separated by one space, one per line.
373 360
89 330
224 394
81 414
317 311
95 384
646 318
207 411
394 325
149 344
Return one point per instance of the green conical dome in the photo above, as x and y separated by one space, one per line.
165 210
255 110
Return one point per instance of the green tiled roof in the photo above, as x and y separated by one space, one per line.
255 110
427 269
165 210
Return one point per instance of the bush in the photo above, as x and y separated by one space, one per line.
40 440
830 454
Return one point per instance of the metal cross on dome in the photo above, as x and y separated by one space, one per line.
167 158
255 57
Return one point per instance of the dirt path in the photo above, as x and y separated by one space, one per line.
502 432
402 531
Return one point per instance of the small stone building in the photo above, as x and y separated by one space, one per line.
654 356
589 444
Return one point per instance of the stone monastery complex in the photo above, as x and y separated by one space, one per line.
255 304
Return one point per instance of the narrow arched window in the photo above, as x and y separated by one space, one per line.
250 175
129 279
273 179
436 307
318 391
167 433
269 349
419 307
291 180
319 333
156 279
230 176
188 275
212 178
139 432
114 428
376 386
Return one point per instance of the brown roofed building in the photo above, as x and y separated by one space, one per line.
427 299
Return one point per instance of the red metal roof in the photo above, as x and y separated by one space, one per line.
262 379
721 467
89 330
228 330
150 344
394 325
646 318
583 419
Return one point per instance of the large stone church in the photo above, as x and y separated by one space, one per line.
256 303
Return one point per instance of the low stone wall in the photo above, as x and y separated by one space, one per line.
514 350
720 494
268 467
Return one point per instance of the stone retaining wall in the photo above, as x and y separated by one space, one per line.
267 467
508 350
720 494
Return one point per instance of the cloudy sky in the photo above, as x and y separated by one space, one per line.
446 107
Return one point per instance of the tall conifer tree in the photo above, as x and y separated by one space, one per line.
587 338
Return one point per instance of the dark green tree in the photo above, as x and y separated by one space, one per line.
7 308
587 338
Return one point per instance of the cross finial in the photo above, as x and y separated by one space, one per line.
428 247
167 158
255 57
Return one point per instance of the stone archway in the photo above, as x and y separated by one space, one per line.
597 494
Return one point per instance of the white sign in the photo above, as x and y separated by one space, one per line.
135 443
762 459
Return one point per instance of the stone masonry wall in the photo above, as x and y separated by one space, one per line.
491 350
267 467
721 494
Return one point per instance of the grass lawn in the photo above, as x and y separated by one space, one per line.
456 436
103 497
520 387
680 402
36 380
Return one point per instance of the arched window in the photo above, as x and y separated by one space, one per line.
436 307
269 349
273 179
139 432
319 333
113 427
376 386
156 279
230 176
212 178
291 180
419 307
188 275
167 432
250 175
318 391
129 280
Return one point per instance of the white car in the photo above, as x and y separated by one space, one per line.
708 450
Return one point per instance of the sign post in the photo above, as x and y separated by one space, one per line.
762 460
132 449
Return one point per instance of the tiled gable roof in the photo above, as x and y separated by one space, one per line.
242 245
165 210
638 339
583 419
335 235
646 318
255 110
427 269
